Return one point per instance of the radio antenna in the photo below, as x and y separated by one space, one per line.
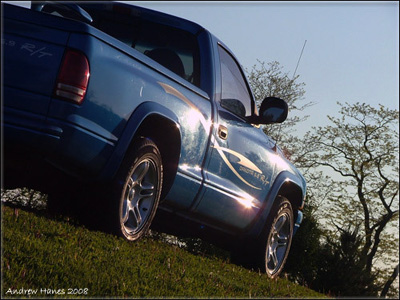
280 126
298 62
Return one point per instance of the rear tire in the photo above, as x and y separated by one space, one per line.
137 191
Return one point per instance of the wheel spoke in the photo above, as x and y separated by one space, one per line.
272 256
141 171
137 215
281 231
147 190
130 184
125 212
282 241
279 224
275 259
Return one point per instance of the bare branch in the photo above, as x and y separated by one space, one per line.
390 281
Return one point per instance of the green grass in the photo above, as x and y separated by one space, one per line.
41 252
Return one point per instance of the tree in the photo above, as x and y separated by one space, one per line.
341 269
361 149
302 265
328 264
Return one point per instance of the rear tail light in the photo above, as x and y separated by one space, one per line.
73 77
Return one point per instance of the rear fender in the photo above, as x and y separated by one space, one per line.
142 113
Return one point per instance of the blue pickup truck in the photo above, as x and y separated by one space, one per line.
145 116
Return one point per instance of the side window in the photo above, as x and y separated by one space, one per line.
174 48
235 96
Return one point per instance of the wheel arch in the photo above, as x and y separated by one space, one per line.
292 191
166 135
158 123
287 185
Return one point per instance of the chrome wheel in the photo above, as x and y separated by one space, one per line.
277 238
278 243
138 190
139 197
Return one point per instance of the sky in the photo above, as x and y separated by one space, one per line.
351 54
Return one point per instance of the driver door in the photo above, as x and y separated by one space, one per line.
239 171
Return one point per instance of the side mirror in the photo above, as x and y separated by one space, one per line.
273 110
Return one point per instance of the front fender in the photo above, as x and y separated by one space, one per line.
286 184
141 113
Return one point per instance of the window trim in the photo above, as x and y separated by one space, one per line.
252 100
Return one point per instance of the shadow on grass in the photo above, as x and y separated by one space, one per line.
36 202
57 207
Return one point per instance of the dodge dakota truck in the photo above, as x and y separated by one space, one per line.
140 114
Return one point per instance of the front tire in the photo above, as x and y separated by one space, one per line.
138 190
269 252
275 244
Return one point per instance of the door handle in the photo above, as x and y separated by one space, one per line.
223 132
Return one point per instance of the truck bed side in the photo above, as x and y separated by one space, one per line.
85 139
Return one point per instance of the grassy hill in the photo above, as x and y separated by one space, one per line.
55 257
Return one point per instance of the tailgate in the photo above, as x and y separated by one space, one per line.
32 55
